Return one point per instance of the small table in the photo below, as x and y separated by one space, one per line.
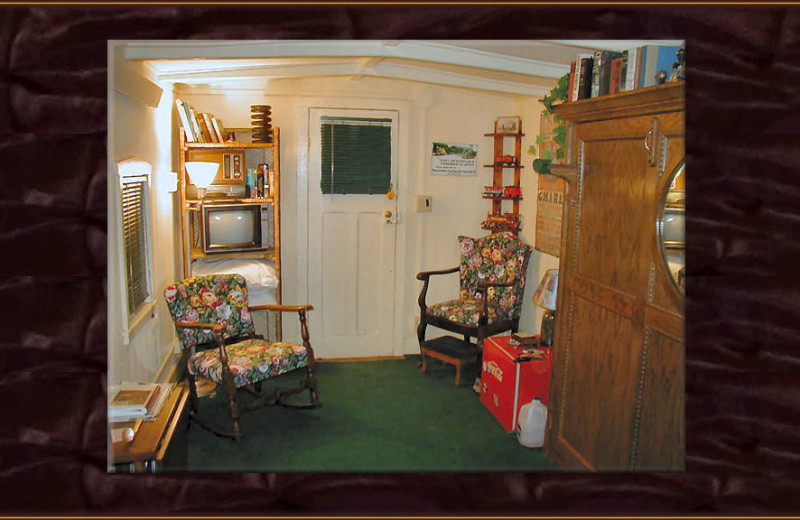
147 451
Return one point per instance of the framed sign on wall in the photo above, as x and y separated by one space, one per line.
454 159
549 211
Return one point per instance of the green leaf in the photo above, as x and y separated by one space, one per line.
532 149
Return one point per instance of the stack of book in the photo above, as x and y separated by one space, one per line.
199 127
609 72
129 401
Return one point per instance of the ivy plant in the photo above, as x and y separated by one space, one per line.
558 94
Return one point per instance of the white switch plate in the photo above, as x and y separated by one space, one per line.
423 203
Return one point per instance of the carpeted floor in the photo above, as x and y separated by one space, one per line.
377 416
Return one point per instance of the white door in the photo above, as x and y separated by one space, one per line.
351 256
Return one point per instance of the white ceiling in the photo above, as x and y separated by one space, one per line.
514 67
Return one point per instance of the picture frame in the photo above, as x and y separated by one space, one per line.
507 125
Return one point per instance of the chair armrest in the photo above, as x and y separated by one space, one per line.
301 314
424 275
216 327
282 308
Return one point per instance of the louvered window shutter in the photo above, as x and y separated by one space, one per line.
135 240
356 156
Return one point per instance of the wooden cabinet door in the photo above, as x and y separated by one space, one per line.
617 388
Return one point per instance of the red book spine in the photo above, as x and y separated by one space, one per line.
616 76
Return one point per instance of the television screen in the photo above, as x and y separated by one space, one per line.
673 226
232 228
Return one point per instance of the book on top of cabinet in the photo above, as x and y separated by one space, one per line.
605 72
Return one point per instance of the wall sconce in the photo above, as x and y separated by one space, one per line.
545 297
202 174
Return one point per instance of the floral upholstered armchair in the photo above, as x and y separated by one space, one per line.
212 311
492 275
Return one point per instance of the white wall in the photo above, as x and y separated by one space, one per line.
429 240
139 127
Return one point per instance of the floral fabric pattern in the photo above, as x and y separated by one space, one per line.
497 258
462 311
212 299
250 361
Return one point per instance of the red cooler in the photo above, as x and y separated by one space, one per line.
506 385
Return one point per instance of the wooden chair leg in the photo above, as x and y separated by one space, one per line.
424 361
230 391
458 374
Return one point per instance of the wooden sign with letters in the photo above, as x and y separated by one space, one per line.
549 212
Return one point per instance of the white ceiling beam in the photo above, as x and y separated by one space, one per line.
293 70
412 50
355 70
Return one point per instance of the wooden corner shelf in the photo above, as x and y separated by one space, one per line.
498 219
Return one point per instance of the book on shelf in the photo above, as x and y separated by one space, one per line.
209 129
602 62
597 62
581 86
217 129
571 82
656 58
184 117
196 125
632 65
201 122
615 83
129 401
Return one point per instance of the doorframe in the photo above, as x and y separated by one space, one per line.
303 118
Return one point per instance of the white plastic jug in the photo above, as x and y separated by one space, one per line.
530 426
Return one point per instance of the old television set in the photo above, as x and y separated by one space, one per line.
235 227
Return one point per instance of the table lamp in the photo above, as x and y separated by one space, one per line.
545 297
202 174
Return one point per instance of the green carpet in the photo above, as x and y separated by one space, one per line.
377 416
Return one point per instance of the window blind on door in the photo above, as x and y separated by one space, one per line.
135 240
356 155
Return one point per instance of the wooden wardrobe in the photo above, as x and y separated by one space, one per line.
617 394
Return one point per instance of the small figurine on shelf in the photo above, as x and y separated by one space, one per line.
505 160
493 191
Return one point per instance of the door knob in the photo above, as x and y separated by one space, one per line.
387 214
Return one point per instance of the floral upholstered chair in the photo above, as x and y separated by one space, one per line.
492 275
212 311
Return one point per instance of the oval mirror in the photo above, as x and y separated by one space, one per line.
671 226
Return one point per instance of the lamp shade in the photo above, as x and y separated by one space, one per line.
202 173
545 295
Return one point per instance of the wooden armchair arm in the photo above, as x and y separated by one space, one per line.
425 276
301 314
216 327
282 308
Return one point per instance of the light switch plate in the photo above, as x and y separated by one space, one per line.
423 203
